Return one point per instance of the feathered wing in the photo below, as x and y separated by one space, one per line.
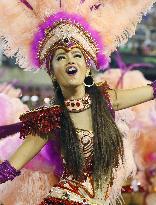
115 20
17 25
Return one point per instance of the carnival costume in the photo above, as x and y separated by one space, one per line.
32 30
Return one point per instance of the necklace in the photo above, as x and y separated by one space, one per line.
78 105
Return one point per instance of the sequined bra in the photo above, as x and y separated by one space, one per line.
86 145
86 142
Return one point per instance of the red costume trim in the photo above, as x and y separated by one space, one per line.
129 189
41 121
57 201
104 87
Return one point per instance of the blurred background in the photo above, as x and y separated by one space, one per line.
133 65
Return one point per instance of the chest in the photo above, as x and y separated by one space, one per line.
82 120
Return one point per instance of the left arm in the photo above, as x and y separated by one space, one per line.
122 99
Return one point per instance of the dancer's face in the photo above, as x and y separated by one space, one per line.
69 67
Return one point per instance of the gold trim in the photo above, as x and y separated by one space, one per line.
81 129
49 32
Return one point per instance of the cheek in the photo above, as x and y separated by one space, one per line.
58 68
59 73
82 62
83 68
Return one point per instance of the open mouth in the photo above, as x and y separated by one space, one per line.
71 70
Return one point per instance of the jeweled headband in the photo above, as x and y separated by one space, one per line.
68 30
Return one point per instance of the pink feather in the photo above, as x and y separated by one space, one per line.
114 20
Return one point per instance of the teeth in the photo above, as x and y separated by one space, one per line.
71 70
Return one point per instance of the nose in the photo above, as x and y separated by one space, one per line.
70 59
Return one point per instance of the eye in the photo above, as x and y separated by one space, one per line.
77 56
60 58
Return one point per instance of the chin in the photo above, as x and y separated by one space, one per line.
74 84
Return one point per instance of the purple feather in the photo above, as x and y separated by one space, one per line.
120 62
125 68
26 3
8 130
82 1
95 7
50 152
139 65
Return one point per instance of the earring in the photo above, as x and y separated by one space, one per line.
88 81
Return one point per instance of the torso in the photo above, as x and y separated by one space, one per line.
83 124
78 191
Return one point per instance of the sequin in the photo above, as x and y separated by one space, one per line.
7 172
41 121
57 201
87 149
104 87
129 189
69 33
78 105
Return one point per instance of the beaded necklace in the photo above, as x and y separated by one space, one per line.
78 105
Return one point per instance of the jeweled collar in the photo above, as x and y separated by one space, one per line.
78 105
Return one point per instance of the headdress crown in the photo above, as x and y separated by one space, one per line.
30 29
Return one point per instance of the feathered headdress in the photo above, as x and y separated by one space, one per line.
33 29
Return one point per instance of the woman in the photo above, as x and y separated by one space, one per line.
81 118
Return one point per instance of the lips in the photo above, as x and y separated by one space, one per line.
71 70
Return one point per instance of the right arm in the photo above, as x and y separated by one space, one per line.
9 169
30 147
40 122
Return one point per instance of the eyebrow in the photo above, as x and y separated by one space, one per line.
63 53
76 52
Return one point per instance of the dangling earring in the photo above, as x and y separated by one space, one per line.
88 81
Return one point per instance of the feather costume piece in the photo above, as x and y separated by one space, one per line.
113 20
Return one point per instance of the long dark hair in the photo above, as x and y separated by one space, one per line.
108 143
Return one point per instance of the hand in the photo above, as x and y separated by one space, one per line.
8 89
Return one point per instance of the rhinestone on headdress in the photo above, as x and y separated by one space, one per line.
64 30
66 40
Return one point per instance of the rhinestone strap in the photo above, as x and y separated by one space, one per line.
7 172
